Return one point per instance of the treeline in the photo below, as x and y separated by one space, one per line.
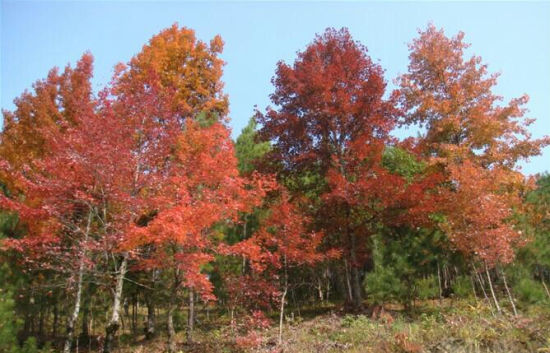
132 207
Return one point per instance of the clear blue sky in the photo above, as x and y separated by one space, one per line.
513 38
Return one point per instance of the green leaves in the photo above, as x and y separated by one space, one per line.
399 161
248 149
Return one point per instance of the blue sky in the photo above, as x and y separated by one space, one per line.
512 37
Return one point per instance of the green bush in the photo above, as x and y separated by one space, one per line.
427 288
384 285
462 287
529 291
9 325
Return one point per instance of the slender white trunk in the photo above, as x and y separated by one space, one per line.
439 283
491 287
355 282
282 312
481 284
281 316
114 323
350 295
508 292
545 287
74 316
76 310
149 301
171 344
320 289
473 287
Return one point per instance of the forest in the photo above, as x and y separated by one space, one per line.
130 221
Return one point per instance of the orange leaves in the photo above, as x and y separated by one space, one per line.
452 97
123 158
472 140
57 102
201 189
285 233
479 213
175 63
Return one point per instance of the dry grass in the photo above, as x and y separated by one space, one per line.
457 327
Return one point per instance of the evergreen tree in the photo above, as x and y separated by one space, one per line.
248 149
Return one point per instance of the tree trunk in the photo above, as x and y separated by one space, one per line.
355 281
327 288
55 320
190 317
545 287
114 323
508 292
473 287
150 303
282 314
283 298
136 310
41 323
74 316
439 283
481 284
491 287
171 344
85 330
150 329
320 289
348 282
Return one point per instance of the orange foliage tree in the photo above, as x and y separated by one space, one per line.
473 140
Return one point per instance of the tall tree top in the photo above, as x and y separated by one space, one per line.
57 102
452 97
248 150
329 97
176 63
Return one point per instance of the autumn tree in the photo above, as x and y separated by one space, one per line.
57 102
81 198
203 190
328 101
476 141
283 242
51 200
184 72
108 168
452 98
174 84
175 78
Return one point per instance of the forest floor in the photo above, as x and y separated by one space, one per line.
450 326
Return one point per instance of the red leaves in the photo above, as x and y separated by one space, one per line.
123 159
479 213
150 161
201 189
474 142
285 235
330 96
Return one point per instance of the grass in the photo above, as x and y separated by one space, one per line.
451 326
